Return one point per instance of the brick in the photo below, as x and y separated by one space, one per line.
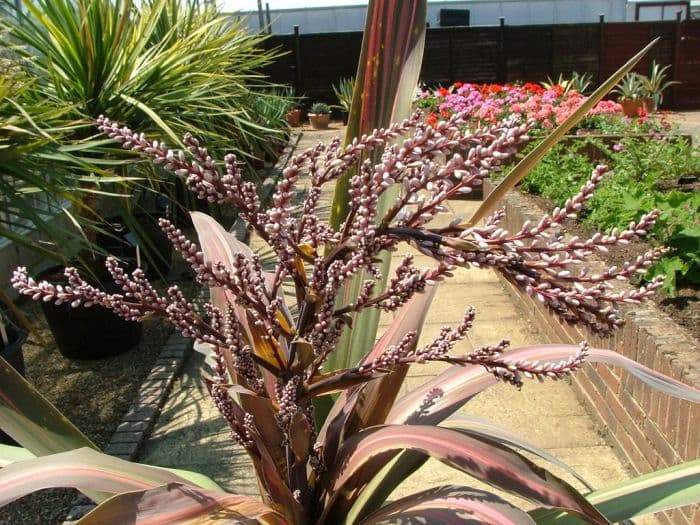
665 451
122 449
594 376
672 422
584 387
682 433
603 410
610 379
127 437
631 407
617 410
158 370
167 362
644 445
151 399
165 375
151 384
678 518
133 426
177 352
693 439
142 413
632 452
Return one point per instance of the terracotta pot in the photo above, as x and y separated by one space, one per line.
293 117
319 120
630 106
648 104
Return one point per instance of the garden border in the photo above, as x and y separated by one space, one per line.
648 429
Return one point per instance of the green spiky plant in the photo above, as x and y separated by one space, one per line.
165 65
47 182
343 92
654 85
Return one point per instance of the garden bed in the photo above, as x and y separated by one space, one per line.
649 429
684 308
94 395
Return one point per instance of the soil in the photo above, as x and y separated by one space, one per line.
684 308
94 395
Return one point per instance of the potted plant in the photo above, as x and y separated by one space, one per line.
630 93
320 115
344 91
654 85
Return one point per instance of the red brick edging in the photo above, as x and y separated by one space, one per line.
649 429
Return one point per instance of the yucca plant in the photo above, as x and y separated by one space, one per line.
165 65
266 367
578 82
343 92
47 181
654 85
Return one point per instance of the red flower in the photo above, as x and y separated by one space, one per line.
431 119
458 85
443 92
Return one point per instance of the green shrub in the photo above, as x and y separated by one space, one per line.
641 168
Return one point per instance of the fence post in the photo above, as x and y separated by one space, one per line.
501 73
297 58
450 67
601 47
678 37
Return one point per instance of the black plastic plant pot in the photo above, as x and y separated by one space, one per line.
120 242
88 333
13 354
12 351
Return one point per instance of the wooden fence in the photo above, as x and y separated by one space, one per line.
313 62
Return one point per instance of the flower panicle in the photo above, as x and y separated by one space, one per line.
254 348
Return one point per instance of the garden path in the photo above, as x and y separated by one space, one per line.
191 435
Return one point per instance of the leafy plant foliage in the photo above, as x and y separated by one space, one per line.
642 169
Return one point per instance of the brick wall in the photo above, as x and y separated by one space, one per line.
649 429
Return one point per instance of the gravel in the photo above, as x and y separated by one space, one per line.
94 395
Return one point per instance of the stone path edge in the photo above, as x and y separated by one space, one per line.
137 423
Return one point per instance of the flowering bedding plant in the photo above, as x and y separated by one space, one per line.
267 367
488 103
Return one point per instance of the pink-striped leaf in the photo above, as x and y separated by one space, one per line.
84 469
176 503
218 245
407 462
440 397
370 403
493 464
463 504
387 75
483 429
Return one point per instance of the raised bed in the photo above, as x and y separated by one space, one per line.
649 429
